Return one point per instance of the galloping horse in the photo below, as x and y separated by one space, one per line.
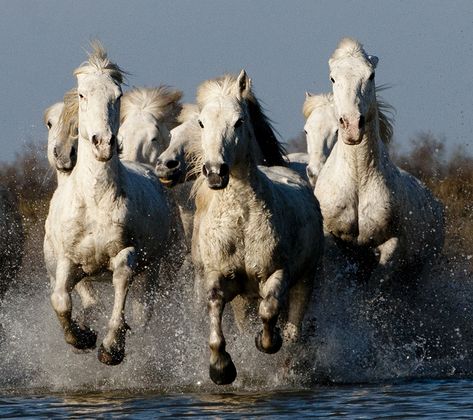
367 202
257 230
107 215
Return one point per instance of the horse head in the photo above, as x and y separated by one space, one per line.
352 76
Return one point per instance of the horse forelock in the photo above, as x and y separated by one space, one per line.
162 102
271 149
349 48
316 101
188 112
98 61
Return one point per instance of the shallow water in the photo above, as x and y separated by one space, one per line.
428 399
402 353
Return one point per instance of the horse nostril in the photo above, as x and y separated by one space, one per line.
173 164
73 152
55 153
95 140
224 170
342 121
361 122
205 172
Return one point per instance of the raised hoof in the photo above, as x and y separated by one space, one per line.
82 338
224 372
276 341
111 358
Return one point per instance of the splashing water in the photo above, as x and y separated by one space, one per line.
351 335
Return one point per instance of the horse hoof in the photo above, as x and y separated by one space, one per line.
276 341
111 358
223 372
82 338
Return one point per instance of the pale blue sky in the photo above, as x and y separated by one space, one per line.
425 50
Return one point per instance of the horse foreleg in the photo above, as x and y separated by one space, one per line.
67 275
274 294
222 371
112 350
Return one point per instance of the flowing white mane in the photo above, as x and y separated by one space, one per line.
316 101
188 112
161 102
99 62
69 119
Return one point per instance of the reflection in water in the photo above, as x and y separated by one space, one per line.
405 400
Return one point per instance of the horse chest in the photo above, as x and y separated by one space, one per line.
235 240
95 238
360 216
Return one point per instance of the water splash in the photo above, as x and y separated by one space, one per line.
352 335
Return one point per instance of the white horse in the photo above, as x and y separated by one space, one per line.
107 215
257 231
368 204
61 120
321 129
147 115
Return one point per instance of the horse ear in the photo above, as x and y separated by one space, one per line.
373 60
244 83
308 95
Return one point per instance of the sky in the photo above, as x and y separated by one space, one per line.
425 51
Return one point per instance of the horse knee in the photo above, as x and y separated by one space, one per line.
269 308
61 302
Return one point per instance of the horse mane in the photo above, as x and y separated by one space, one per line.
316 101
385 116
272 150
69 118
161 102
99 62
188 112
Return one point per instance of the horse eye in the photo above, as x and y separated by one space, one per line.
372 76
81 96
154 139
332 80
238 123
49 125
305 131
201 125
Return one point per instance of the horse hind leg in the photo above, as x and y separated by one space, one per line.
112 349
67 276
222 371
298 302
89 300
269 340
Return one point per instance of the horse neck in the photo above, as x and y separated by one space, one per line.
369 157
96 179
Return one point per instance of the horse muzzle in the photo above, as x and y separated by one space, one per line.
352 129
217 175
103 147
169 172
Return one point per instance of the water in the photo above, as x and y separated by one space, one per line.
428 399
399 353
